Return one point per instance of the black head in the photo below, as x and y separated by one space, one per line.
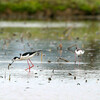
15 58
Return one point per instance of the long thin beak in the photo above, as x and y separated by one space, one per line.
10 63
12 60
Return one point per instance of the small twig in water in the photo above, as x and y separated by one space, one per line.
62 59
9 77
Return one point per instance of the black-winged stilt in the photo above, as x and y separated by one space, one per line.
26 56
77 51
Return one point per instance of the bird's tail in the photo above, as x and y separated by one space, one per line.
38 50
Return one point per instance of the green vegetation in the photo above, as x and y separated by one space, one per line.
28 6
32 6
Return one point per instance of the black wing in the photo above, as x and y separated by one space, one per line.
28 53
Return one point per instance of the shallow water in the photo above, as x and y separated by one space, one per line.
13 47
90 60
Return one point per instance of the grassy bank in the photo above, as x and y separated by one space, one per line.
50 8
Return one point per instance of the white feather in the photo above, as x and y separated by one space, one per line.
79 52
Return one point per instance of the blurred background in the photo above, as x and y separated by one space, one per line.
50 9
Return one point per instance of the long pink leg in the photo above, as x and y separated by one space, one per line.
29 66
79 60
31 63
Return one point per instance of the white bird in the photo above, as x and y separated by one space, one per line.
78 52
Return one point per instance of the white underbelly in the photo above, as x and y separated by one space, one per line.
26 57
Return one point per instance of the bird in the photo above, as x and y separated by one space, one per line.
25 56
78 52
